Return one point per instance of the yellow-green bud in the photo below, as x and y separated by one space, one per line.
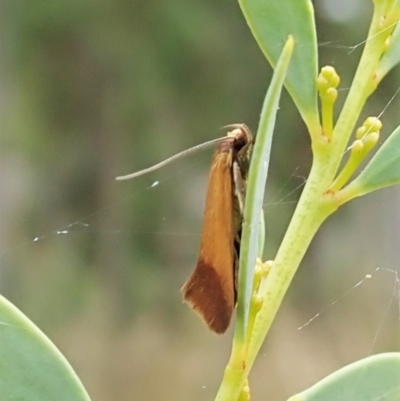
256 302
258 269
357 146
331 95
322 84
371 140
361 132
373 124
245 393
267 266
329 73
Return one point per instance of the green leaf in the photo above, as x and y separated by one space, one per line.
258 172
261 233
374 378
383 170
271 22
31 367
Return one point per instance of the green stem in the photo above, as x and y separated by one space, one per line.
313 208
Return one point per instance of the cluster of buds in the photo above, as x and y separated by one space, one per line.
367 136
327 82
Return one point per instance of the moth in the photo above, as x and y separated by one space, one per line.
211 290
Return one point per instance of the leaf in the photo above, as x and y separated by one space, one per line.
383 170
374 378
271 22
256 188
31 367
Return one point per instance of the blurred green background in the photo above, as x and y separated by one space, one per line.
95 89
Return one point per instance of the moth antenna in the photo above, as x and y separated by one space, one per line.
170 159
236 125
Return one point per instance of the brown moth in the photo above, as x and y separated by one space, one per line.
211 289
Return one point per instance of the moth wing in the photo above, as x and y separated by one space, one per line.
210 290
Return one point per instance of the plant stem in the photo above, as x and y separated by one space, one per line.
313 208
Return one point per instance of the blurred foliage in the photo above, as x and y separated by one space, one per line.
94 89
